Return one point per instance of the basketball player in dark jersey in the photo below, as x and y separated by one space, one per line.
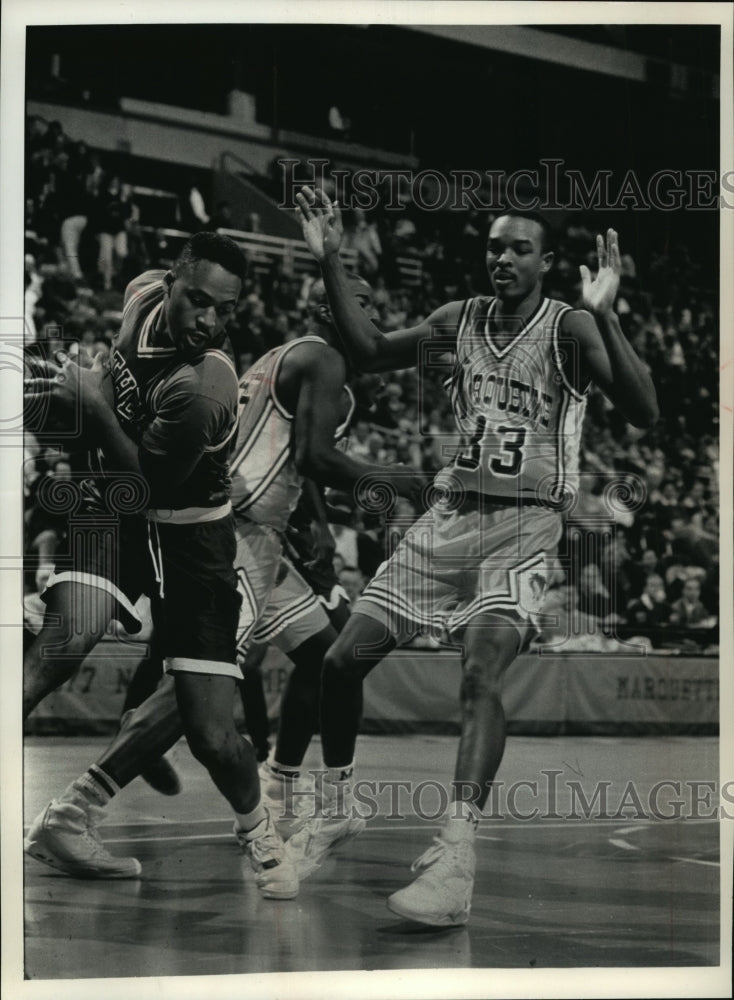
475 564
297 408
167 427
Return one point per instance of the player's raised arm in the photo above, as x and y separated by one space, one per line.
607 357
367 348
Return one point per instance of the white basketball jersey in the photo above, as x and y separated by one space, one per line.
519 417
266 485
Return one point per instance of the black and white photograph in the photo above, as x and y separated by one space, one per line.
366 538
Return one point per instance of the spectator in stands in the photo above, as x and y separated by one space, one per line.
358 445
45 530
389 407
651 608
695 499
688 610
71 197
640 569
363 237
114 213
594 596
33 283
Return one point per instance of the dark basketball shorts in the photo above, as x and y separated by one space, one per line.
200 603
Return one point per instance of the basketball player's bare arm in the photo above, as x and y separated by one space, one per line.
367 348
607 357
320 379
323 545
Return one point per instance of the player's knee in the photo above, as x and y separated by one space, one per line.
341 665
481 680
209 744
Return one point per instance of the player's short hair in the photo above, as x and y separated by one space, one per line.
548 240
215 248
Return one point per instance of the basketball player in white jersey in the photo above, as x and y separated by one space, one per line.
475 564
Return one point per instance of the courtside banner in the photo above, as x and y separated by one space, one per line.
417 691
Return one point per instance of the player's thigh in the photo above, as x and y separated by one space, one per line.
77 614
205 702
257 565
361 645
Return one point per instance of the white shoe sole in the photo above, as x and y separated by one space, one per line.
40 853
277 893
447 920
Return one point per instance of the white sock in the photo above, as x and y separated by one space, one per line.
337 786
336 775
460 822
94 787
249 821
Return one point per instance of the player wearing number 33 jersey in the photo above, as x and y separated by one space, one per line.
474 563
483 546
514 406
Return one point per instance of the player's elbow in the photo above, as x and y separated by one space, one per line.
648 415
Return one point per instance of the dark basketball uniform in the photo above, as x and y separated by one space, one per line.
178 543
482 547
278 604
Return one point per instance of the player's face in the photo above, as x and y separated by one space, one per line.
363 294
201 300
515 259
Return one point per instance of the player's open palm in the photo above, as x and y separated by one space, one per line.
599 293
321 221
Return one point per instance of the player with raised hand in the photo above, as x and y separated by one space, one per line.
474 565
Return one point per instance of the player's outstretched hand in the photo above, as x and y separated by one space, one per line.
599 293
321 221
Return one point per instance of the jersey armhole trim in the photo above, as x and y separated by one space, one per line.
276 371
557 357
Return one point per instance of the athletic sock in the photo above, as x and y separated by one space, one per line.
94 788
460 822
288 772
248 821
337 786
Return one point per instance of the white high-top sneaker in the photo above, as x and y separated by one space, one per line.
320 834
263 847
64 836
441 895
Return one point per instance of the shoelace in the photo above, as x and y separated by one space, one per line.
265 847
435 851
